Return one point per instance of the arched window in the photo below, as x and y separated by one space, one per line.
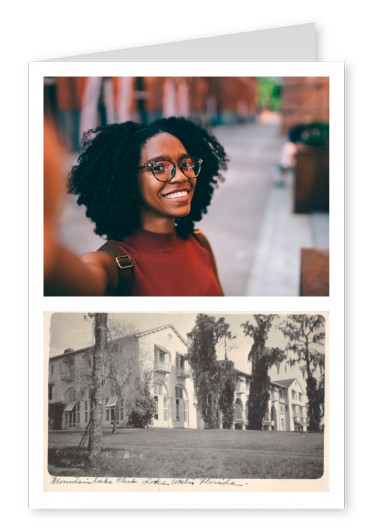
72 408
160 401
238 410
181 404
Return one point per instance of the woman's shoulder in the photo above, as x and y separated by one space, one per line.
202 239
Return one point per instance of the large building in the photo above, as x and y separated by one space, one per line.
161 354
287 409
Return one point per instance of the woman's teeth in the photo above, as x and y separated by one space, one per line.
176 194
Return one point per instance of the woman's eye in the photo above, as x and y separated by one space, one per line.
159 167
189 163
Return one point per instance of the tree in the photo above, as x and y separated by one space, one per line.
206 371
119 366
95 428
227 375
262 358
305 332
142 412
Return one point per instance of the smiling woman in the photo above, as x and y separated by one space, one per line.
144 187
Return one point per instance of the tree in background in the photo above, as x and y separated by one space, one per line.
305 333
262 358
95 428
142 411
269 93
206 371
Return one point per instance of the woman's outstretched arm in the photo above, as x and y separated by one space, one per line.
64 272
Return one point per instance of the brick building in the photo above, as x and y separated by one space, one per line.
304 100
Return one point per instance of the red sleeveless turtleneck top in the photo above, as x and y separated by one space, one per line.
166 265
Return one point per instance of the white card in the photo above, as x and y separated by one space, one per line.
253 54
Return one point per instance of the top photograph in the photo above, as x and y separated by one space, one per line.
186 186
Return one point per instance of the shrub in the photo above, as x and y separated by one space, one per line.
142 412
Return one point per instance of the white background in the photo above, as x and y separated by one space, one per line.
43 29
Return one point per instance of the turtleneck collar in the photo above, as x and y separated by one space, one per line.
153 241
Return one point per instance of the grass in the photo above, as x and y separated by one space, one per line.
195 454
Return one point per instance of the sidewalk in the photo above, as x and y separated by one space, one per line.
276 265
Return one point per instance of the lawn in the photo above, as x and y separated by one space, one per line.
194 454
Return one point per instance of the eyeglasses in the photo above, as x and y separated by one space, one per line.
165 170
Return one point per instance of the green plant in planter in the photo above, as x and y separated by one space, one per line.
315 134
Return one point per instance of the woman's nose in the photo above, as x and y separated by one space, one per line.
178 176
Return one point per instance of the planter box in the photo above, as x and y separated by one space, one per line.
311 187
314 273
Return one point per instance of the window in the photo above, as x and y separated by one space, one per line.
70 395
165 408
178 397
70 414
78 412
72 418
161 358
50 386
51 369
86 411
156 407
158 389
86 364
112 402
67 369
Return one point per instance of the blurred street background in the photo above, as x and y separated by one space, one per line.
269 220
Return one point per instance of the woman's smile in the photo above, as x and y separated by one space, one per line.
179 195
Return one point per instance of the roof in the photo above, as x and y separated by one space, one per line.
70 406
112 401
241 373
153 330
286 383
135 334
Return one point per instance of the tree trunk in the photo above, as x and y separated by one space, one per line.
313 409
116 413
95 429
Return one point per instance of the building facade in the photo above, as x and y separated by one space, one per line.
287 405
161 354
304 100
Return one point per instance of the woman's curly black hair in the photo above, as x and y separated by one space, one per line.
105 176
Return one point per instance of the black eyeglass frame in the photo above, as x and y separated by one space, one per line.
150 165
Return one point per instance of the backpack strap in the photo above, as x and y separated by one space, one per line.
204 242
125 268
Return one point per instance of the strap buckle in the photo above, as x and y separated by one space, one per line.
124 266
